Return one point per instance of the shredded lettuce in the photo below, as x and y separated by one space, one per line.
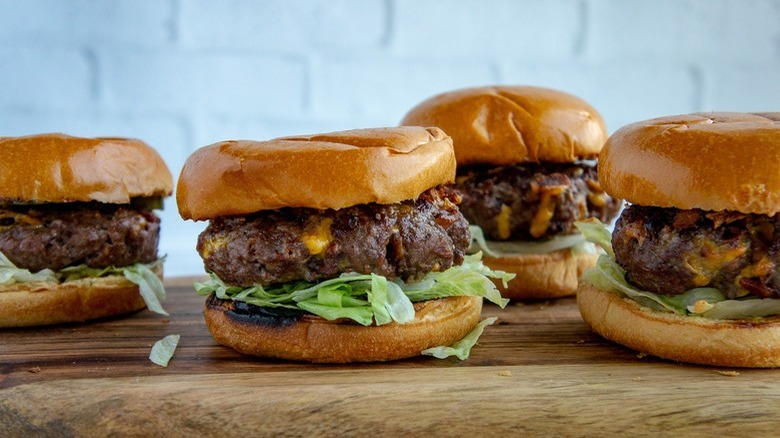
608 275
149 285
462 348
742 309
596 232
389 302
10 274
162 350
707 302
368 299
504 248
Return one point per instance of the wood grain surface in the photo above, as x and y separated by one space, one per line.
538 371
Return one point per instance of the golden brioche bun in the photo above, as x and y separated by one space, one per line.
335 170
711 161
60 168
437 322
503 125
541 276
31 304
739 343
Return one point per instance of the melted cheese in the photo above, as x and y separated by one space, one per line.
700 306
541 220
212 245
597 199
502 222
708 261
318 239
763 267
700 276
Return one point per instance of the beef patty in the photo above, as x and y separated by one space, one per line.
533 201
669 251
55 236
405 240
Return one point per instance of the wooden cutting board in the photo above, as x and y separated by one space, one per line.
538 371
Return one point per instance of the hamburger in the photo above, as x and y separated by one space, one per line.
691 271
78 234
526 172
339 247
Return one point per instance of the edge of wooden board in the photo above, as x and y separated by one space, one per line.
569 399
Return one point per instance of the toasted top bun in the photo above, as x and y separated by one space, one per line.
61 168
335 170
693 339
504 125
711 161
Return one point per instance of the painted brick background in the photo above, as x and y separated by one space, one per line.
181 74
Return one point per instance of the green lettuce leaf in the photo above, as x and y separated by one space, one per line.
162 350
361 315
472 278
608 275
377 296
505 248
462 348
149 285
10 274
368 299
389 302
743 309
707 302
594 231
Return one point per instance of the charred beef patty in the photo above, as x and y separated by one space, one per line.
669 251
55 236
532 201
405 240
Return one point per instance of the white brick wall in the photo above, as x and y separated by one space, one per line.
213 81
45 78
686 31
284 25
629 89
181 74
488 29
381 89
87 22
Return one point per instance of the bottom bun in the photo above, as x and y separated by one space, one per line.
306 337
32 304
542 276
738 343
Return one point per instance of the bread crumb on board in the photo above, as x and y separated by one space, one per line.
504 373
34 370
727 373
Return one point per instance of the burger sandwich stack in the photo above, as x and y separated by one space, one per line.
339 247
